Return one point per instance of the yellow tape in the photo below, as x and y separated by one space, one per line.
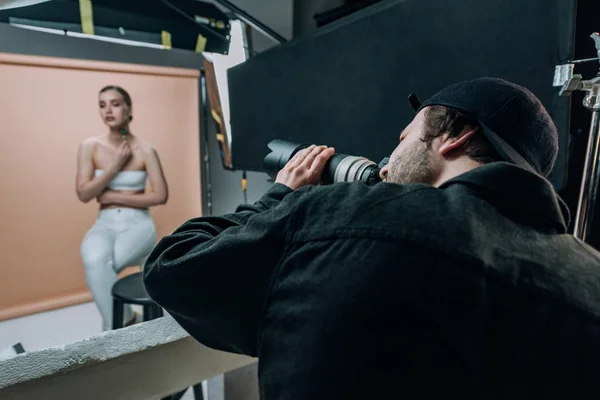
220 137
87 16
166 39
215 115
200 44
244 184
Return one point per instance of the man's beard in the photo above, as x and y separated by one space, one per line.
412 165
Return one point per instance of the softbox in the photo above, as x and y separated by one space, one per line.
180 24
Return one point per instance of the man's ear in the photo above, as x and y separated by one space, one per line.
453 143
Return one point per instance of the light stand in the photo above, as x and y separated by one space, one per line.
591 173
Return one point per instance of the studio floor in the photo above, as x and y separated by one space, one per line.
55 328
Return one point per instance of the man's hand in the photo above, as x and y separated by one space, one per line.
306 167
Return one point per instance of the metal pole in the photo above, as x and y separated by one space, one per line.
206 181
588 194
253 22
591 179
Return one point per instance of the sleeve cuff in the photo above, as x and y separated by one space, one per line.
270 199
275 195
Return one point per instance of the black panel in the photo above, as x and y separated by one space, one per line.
347 83
349 7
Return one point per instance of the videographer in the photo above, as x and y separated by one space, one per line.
453 276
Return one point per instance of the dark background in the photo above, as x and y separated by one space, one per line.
346 84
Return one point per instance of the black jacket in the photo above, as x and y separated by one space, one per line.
394 291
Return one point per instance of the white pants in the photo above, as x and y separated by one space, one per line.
120 237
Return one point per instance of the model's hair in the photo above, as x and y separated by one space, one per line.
122 92
440 120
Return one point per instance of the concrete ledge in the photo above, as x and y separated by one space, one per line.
145 361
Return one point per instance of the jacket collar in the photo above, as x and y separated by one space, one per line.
508 185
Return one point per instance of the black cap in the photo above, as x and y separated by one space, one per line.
512 118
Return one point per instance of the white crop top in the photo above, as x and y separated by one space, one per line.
126 180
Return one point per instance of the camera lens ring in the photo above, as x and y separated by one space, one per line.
360 167
351 169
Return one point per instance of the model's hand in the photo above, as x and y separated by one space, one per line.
123 155
107 197
305 168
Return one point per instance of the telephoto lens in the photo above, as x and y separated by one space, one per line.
339 168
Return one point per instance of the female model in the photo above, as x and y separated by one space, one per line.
113 169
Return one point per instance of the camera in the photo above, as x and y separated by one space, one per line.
339 168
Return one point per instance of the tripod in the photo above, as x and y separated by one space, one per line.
591 173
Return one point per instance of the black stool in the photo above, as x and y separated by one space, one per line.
131 290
